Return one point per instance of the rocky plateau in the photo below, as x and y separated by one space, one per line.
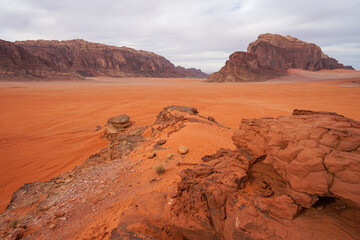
291 177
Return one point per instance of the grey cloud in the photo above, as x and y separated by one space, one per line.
192 33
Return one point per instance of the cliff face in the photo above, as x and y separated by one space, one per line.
269 56
288 52
79 58
243 67
16 62
94 59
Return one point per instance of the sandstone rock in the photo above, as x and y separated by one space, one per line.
281 52
211 119
163 116
279 167
269 57
311 150
118 124
282 206
287 174
161 142
244 67
93 59
191 72
59 213
16 62
183 149
151 155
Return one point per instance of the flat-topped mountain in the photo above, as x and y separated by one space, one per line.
282 52
79 58
274 54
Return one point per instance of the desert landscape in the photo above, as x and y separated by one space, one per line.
49 127
135 120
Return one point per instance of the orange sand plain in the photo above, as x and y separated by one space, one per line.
48 127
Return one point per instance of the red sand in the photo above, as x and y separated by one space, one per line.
48 127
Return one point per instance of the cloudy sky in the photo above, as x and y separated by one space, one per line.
190 33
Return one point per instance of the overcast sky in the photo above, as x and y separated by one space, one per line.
190 33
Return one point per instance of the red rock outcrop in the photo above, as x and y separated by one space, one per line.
16 62
282 52
332 63
244 67
191 72
287 174
94 59
294 177
269 57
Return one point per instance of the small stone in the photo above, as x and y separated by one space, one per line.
59 213
161 142
151 155
170 156
211 119
183 149
63 218
97 128
52 226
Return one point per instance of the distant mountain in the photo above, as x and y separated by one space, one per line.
78 58
191 72
16 62
269 56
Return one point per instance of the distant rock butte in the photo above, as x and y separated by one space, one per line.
292 177
79 58
274 54
244 67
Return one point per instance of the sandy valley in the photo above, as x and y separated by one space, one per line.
47 128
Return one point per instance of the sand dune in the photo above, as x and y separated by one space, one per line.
49 127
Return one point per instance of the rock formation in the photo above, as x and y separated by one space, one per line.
16 62
293 177
269 56
244 67
281 52
191 72
79 58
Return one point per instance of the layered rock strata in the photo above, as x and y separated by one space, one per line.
78 58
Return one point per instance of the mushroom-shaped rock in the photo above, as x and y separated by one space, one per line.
117 124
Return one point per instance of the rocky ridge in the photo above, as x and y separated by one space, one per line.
17 62
284 175
78 58
269 57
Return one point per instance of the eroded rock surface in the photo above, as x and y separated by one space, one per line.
244 67
16 62
294 177
279 181
281 52
270 56
94 59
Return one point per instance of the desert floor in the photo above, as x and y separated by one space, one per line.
48 127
